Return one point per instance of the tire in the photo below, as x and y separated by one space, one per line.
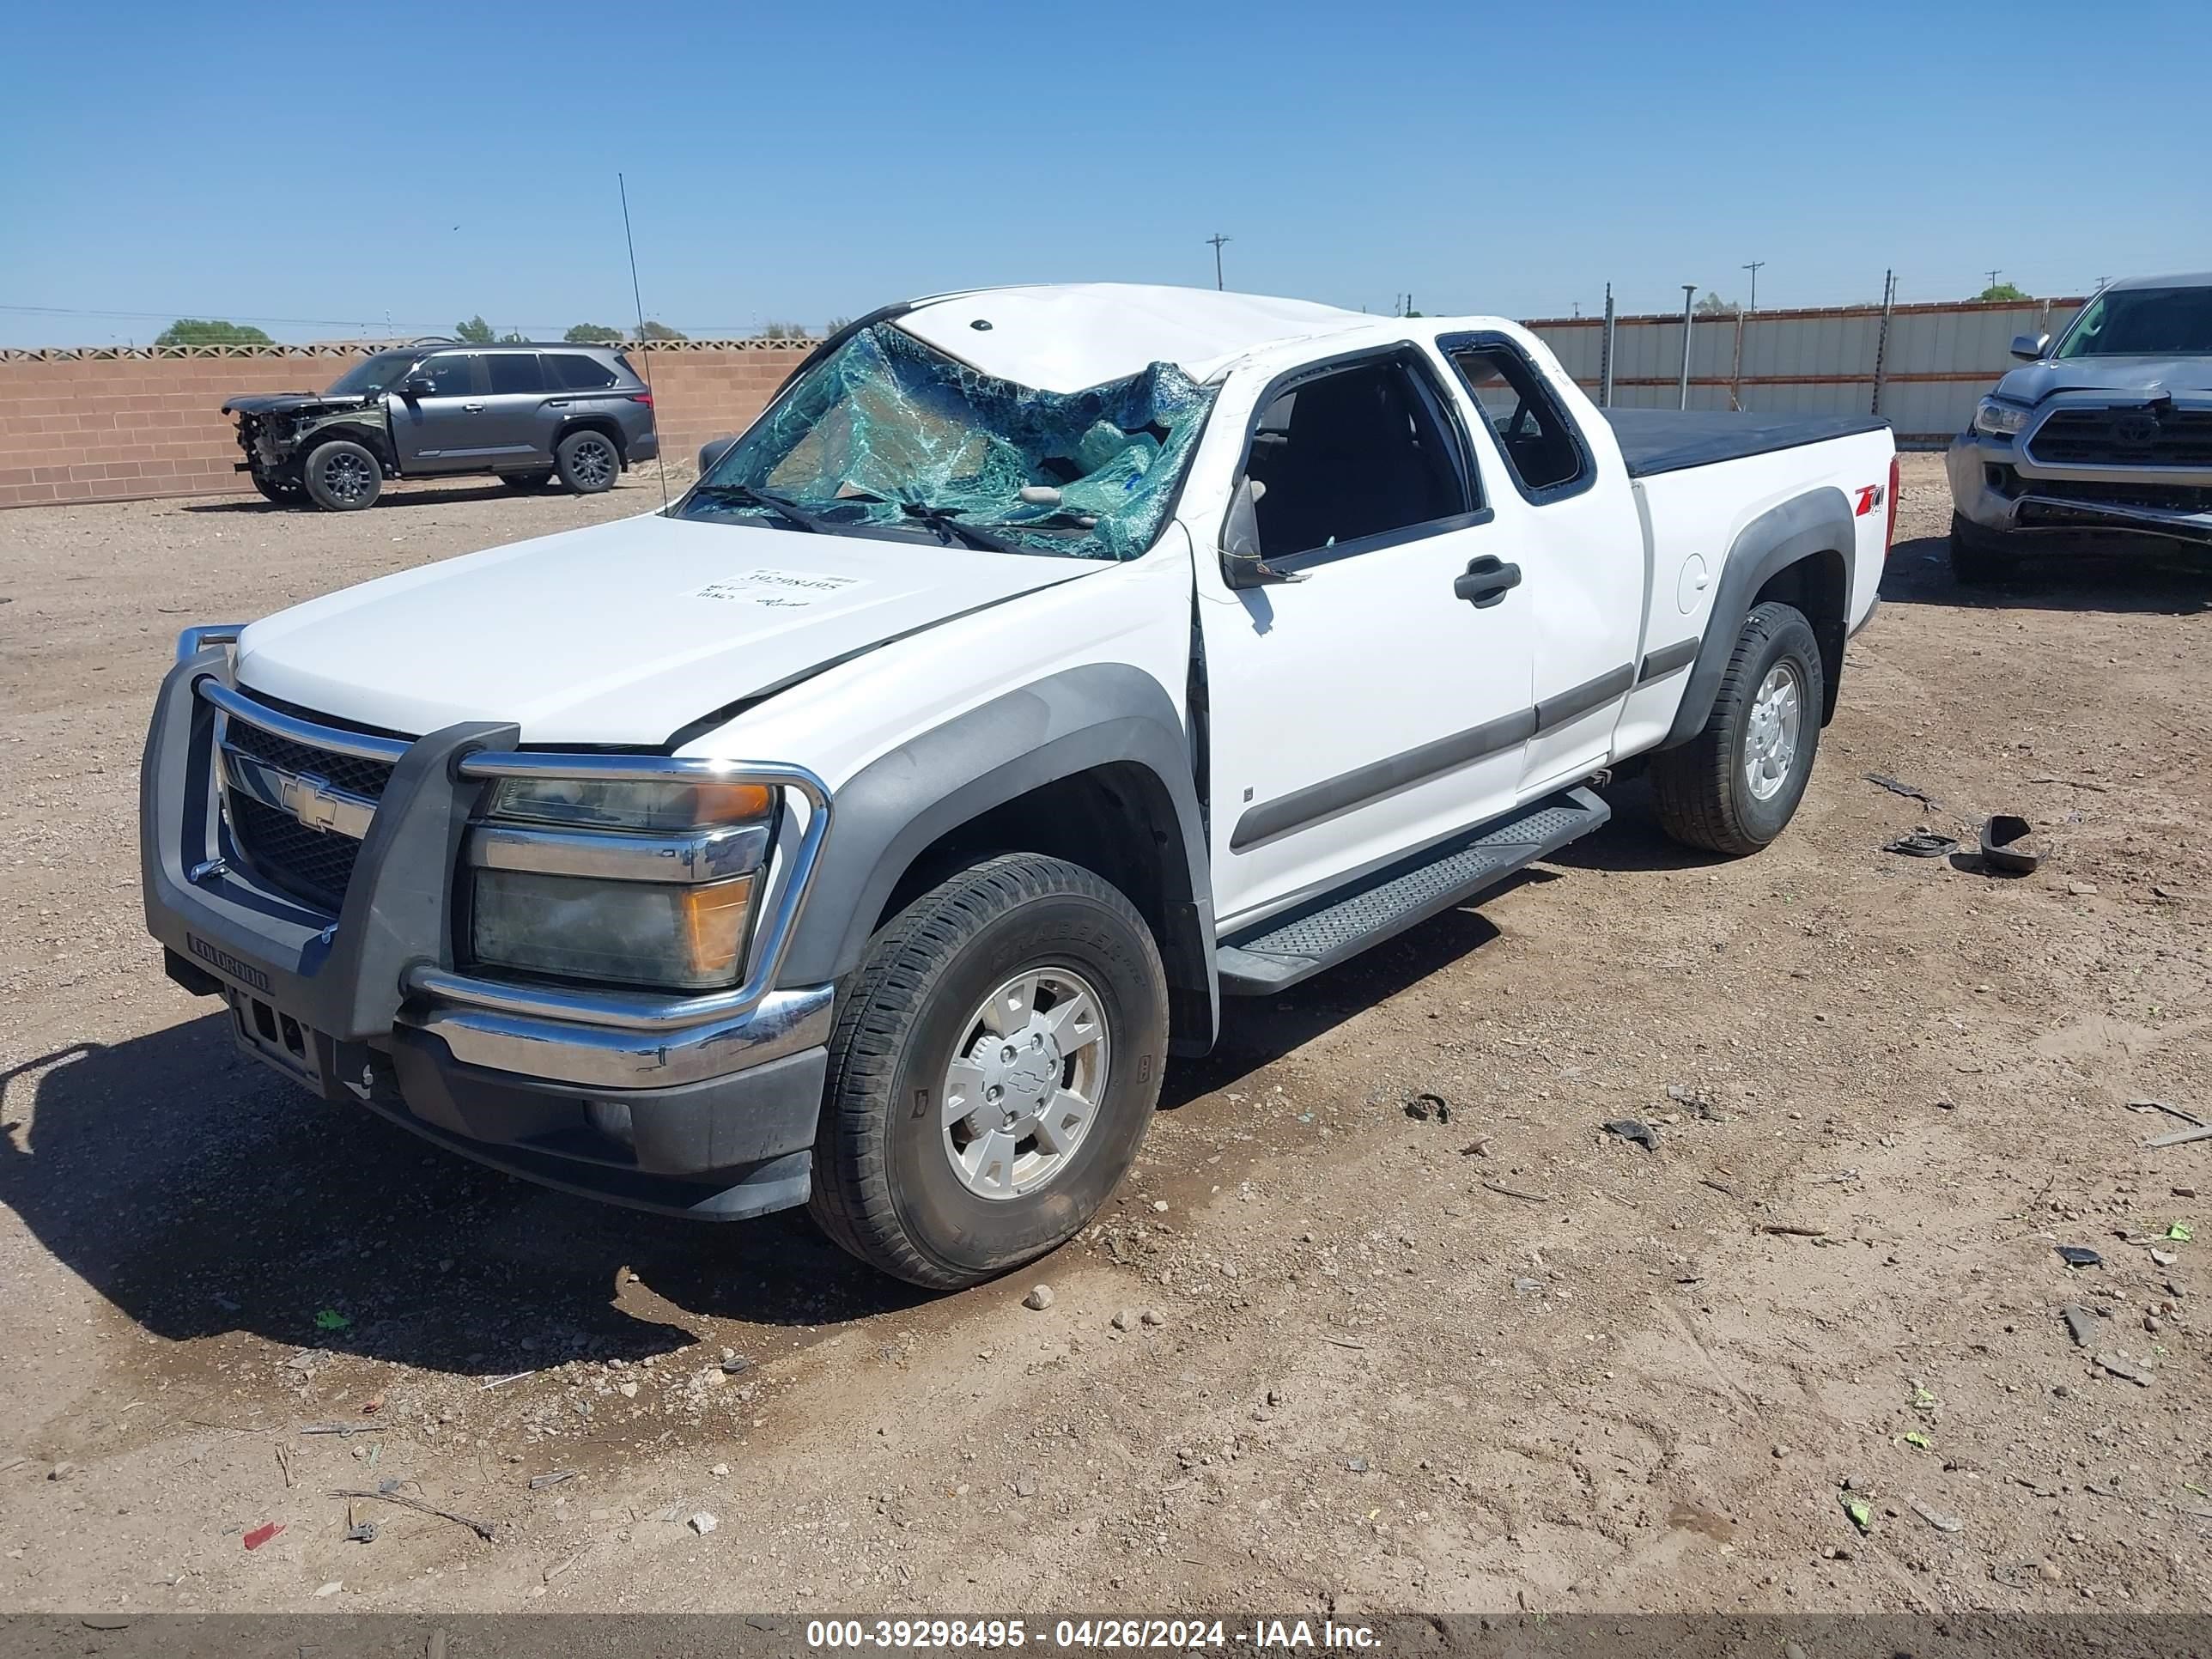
284 492
527 480
342 477
1977 557
886 1185
1706 795
587 461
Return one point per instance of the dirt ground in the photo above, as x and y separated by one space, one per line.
1507 1360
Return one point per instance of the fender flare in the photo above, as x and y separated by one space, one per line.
1818 522
1071 722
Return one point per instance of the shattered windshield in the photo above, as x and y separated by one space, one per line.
371 375
2143 322
887 434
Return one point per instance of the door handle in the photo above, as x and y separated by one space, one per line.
1486 581
558 403
473 409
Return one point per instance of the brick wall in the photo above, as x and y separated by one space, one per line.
84 428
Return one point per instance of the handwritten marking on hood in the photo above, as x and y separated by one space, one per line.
777 590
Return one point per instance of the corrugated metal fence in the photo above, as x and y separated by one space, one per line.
1921 367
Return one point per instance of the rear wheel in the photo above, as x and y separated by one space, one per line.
342 476
1977 556
587 462
527 480
995 1065
1734 787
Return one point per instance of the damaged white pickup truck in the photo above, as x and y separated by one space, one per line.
867 829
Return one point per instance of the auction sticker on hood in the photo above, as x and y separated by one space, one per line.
777 590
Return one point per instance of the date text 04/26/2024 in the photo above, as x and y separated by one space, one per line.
1164 1634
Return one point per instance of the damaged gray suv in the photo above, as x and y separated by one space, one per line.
526 413
2106 435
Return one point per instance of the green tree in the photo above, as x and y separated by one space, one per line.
783 331
593 334
2001 291
197 331
654 331
512 338
476 331
1713 306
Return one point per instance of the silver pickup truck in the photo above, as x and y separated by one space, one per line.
2107 433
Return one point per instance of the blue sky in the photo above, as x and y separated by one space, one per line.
334 165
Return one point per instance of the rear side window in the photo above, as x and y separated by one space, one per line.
514 371
571 371
1359 452
1543 450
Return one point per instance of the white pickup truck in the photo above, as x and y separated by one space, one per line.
867 829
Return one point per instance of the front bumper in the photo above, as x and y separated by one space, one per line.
1997 485
705 1107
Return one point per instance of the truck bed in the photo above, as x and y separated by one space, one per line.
1668 439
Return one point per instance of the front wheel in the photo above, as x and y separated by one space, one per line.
995 1064
284 492
1977 556
342 476
587 462
1734 787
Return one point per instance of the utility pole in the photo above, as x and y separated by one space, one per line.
1994 274
1753 268
1605 355
1742 319
1689 317
1215 242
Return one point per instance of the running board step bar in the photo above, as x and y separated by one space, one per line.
1325 931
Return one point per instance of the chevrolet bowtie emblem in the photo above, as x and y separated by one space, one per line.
309 798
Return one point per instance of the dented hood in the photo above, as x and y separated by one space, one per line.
288 402
2139 378
621 634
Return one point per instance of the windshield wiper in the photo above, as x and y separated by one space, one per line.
747 496
950 528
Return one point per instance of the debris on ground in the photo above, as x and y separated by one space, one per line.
346 1429
539 1482
2179 1233
481 1528
1476 1148
1525 1286
735 1364
2163 1258
1914 1437
362 1532
1514 1192
1123 1319
1791 1230
61 1471
262 1533
1861 1512
1039 1298
1632 1129
1922 844
1934 1518
2118 1366
2078 1255
2181 1137
330 1588
1423 1107
1898 786
2080 1324
1695 1102
1153 1316
703 1523
330 1319
2006 844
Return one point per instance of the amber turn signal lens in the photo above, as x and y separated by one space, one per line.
713 920
728 803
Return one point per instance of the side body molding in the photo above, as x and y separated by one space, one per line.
1072 722
1818 521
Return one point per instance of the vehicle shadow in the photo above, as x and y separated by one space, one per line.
415 494
2146 578
201 1193
1633 840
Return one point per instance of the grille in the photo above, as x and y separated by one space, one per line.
2094 437
2180 498
354 776
314 864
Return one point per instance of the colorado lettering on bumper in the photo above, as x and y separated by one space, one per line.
703 1105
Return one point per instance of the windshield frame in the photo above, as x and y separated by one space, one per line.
405 357
2103 301
1039 539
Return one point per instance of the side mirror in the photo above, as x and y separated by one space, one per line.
713 451
2029 347
1241 564
419 385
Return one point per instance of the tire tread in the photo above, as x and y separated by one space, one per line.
1691 788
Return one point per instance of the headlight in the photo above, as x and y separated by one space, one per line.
674 803
682 936
1999 419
